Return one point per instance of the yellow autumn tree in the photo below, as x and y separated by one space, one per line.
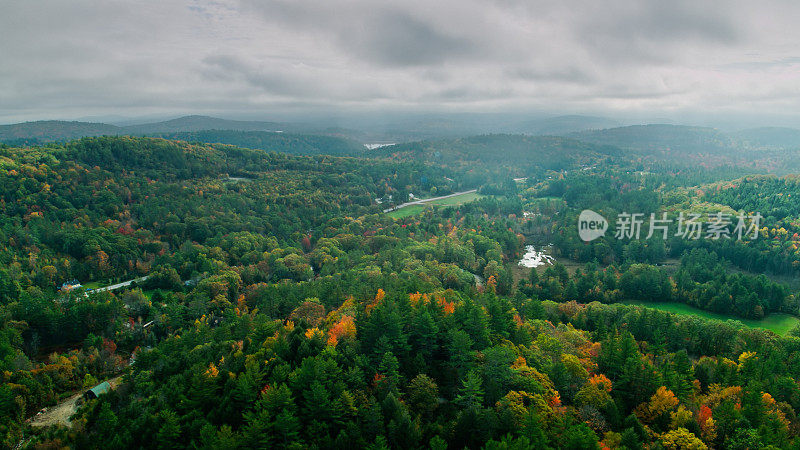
682 439
680 418
518 403
660 405
594 392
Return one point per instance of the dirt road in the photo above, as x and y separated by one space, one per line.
60 413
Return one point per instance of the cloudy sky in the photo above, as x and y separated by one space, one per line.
274 58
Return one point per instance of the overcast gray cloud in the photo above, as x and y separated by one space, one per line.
66 59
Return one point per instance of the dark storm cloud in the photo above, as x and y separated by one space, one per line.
284 79
658 32
400 39
82 57
375 31
230 68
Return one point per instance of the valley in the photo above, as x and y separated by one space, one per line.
402 225
251 277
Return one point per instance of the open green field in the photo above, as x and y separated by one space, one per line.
450 201
407 211
776 322
457 200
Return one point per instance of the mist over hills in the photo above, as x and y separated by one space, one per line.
455 134
53 130
775 137
428 127
365 130
563 125
197 123
39 132
660 138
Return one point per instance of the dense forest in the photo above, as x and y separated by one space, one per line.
519 153
275 305
301 144
45 131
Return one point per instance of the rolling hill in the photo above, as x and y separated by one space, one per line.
40 132
300 144
771 137
549 152
563 125
198 123
662 139
31 133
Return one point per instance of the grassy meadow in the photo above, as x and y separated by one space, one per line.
450 201
776 322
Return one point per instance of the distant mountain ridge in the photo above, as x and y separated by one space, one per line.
564 125
399 130
199 123
771 137
661 138
40 132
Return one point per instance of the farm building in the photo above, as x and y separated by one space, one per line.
97 391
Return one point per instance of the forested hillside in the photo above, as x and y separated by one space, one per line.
519 152
44 131
300 144
280 308
777 137
199 123
661 139
31 133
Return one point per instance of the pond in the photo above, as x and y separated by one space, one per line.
535 258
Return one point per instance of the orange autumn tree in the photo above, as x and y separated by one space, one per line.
378 298
344 328
601 381
212 371
492 283
418 299
447 306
